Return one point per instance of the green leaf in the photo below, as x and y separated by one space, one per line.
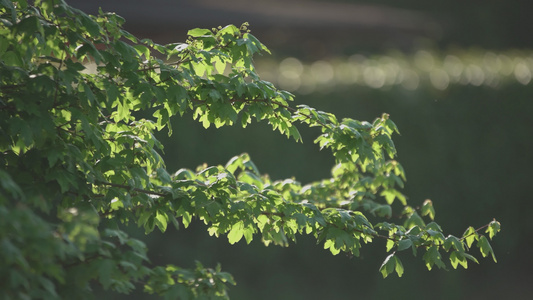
470 235
163 175
249 234
433 257
485 248
392 194
452 241
398 266
142 50
383 211
494 227
220 64
428 210
330 244
196 32
414 220
186 218
293 131
388 266
12 58
161 220
236 233
404 244
470 257
391 126
457 258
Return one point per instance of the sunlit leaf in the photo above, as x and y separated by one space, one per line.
485 248
236 232
388 266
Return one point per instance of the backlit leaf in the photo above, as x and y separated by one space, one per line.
198 32
236 232
493 228
388 266
485 248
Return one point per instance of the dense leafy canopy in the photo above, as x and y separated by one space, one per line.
79 160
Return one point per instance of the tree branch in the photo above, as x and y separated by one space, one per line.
127 187
476 231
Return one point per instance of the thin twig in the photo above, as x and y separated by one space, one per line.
132 188
476 231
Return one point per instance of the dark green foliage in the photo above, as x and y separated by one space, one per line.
78 163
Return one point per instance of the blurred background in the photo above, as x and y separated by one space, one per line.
455 76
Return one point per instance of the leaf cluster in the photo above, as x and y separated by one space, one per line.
78 161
